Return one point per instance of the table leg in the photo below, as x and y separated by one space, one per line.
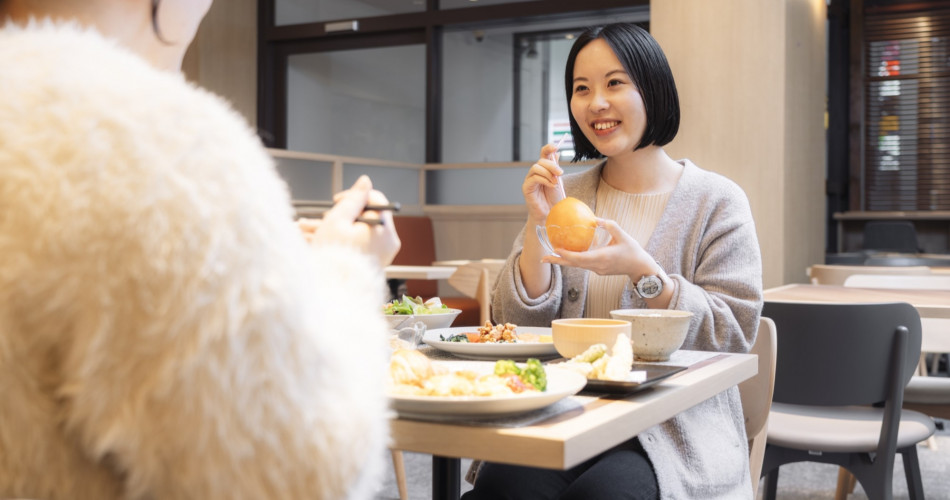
446 478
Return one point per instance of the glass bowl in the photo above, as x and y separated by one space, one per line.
408 336
600 240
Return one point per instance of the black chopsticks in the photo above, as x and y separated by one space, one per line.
316 208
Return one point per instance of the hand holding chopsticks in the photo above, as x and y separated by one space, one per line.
342 222
316 209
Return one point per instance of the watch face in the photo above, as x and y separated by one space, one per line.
649 287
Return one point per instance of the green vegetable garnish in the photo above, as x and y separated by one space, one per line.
461 337
506 366
532 373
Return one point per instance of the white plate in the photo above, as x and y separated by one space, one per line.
505 350
561 384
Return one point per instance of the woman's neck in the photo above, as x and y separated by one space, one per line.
646 170
127 22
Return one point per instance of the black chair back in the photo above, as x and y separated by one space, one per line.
890 236
842 354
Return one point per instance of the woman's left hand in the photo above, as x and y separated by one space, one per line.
623 255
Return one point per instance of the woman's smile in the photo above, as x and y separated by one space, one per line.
604 127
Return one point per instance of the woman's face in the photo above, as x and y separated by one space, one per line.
605 102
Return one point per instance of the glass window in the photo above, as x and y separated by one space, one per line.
494 186
363 102
503 87
906 120
309 11
307 180
542 115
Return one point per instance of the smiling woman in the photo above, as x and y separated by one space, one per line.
681 238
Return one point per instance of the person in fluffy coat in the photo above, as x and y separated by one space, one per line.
166 330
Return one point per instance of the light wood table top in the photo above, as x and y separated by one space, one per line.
567 439
929 303
419 272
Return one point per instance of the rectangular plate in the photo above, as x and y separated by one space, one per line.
655 373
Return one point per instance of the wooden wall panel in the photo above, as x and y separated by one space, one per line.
751 81
805 137
474 232
223 57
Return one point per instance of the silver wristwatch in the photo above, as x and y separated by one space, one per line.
649 287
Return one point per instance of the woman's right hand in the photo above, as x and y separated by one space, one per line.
540 187
339 225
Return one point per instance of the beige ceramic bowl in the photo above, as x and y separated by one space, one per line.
573 336
432 321
656 333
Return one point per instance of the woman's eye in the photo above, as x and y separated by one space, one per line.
580 88
611 83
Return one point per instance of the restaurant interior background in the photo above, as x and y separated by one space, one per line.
444 103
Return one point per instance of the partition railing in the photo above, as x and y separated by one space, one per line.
419 187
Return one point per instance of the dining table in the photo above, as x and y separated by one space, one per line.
419 272
929 303
570 431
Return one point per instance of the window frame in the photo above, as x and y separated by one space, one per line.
277 43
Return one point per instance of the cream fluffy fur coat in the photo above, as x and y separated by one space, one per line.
165 332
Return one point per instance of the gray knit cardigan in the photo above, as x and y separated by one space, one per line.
705 241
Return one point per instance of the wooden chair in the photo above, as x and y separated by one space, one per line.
756 394
929 395
475 279
835 363
829 274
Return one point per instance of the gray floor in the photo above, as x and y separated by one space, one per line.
802 481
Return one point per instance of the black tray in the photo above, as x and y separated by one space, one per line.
655 373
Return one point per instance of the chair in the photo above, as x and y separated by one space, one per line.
475 279
928 395
935 330
418 248
756 394
890 236
829 274
839 387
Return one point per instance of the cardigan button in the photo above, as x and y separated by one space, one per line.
572 294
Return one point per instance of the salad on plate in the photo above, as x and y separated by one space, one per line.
415 306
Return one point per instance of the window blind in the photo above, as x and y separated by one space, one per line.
907 110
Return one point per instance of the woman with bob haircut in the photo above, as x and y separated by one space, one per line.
166 329
681 238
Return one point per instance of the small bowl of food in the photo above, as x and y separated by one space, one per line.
433 313
573 336
656 333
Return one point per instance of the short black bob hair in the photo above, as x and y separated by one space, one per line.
644 61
